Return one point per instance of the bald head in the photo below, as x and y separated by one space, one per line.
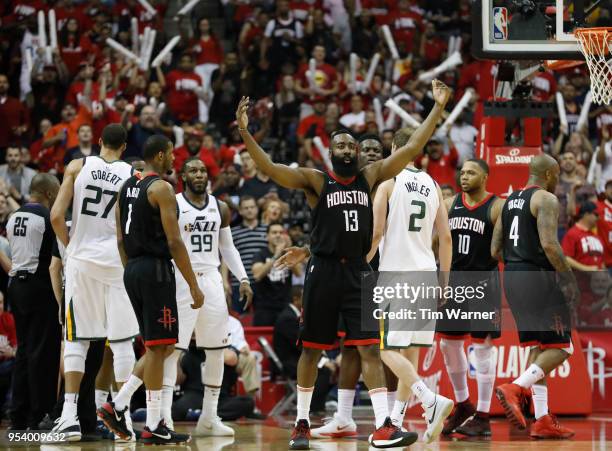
544 171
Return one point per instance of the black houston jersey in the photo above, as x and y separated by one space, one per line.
141 226
520 230
472 232
342 219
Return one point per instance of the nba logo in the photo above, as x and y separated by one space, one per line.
500 23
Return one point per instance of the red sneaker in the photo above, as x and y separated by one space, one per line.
461 412
390 436
511 398
548 427
300 436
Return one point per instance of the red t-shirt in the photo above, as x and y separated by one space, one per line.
325 77
434 51
308 122
206 155
227 153
381 9
604 229
182 101
75 52
207 50
544 86
583 246
405 27
443 170
13 114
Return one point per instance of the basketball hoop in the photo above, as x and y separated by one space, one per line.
595 45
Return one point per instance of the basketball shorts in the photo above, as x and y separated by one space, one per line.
96 310
401 333
210 321
331 288
538 306
151 286
487 282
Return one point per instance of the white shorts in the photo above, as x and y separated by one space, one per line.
96 310
210 322
404 338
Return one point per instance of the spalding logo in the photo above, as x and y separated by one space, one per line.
513 157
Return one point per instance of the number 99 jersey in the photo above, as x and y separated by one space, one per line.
200 232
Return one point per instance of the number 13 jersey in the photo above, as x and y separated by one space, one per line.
93 235
200 232
342 219
412 209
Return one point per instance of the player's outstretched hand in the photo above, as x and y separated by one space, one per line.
241 113
197 296
441 92
246 294
291 257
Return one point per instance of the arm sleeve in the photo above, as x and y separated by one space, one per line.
230 254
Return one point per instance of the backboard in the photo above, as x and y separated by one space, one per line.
533 30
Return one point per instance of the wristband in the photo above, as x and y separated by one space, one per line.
242 129
245 279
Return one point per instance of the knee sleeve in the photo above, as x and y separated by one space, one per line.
212 373
454 355
75 353
124 359
484 359
170 369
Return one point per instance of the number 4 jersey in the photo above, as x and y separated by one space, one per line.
472 232
93 236
413 206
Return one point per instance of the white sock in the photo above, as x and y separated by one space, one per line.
154 398
378 396
398 412
166 404
70 405
101 397
533 374
485 375
460 386
211 400
391 396
304 396
122 400
423 393
346 397
540 400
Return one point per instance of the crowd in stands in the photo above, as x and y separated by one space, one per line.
54 105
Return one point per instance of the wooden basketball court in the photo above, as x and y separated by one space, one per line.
593 433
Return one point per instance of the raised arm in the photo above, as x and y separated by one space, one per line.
298 178
63 201
393 164
380 216
161 195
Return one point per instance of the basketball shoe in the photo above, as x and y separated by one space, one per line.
461 412
300 436
212 427
334 427
162 436
391 436
511 397
547 427
434 417
477 425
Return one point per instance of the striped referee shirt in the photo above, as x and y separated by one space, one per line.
248 242
31 239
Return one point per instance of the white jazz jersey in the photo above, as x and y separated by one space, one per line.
200 232
413 206
93 236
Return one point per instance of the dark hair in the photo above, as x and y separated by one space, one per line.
483 164
131 160
154 145
401 137
447 186
114 136
367 136
245 198
189 160
341 131
274 223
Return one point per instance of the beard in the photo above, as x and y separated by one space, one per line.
196 190
345 169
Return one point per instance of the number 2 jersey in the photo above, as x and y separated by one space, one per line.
472 231
93 235
520 231
412 209
342 219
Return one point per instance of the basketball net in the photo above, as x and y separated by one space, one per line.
596 44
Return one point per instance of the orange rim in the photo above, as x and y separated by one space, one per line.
562 64
600 34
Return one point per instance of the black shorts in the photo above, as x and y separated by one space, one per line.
477 329
542 317
332 288
150 284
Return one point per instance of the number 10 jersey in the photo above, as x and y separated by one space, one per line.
200 232
93 235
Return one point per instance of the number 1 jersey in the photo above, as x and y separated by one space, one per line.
93 235
342 219
413 206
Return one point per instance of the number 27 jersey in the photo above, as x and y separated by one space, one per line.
93 235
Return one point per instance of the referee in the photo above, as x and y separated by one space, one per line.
33 305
